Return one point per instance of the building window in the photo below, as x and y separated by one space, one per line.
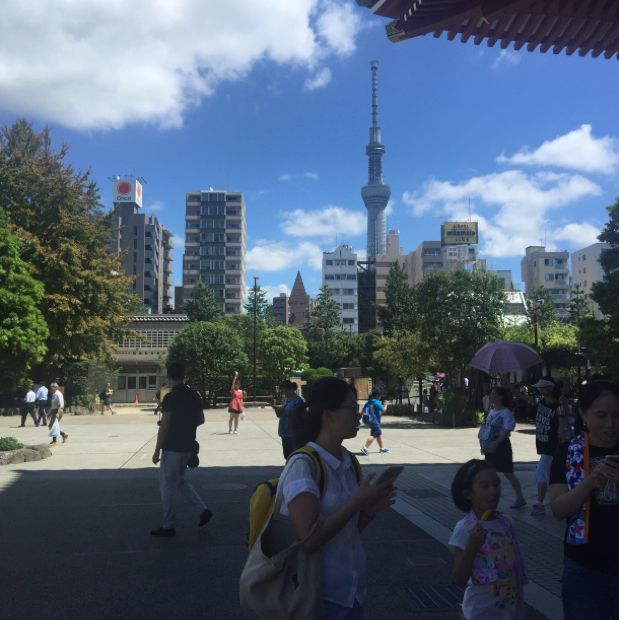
348 320
584 270
548 261
131 383
348 306
142 382
349 291
351 276
152 381
351 263
549 277
329 262
330 276
558 262
121 383
584 257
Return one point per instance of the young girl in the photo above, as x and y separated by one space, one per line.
487 558
584 490
235 407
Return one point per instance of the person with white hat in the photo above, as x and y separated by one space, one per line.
547 433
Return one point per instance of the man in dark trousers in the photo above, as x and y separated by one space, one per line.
176 443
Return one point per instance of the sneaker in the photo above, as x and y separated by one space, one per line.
163 531
64 437
365 451
205 517
538 510
385 450
519 504
53 444
234 432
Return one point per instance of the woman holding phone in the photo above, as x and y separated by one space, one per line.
584 490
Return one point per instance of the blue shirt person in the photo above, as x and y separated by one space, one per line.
375 408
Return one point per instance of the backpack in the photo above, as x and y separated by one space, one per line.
367 414
262 500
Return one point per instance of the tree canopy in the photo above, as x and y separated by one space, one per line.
257 299
326 315
202 305
606 293
211 353
396 313
23 330
282 351
56 213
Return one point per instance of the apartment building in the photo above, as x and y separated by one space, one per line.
550 271
339 275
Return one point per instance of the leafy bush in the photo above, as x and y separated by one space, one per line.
455 409
9 443
311 374
403 410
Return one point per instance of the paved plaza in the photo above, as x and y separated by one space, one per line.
75 527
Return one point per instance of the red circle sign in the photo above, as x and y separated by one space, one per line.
124 187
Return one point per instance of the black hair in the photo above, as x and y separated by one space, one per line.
294 386
505 394
324 393
286 384
463 482
375 393
592 390
176 371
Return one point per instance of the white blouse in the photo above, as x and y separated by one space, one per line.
343 557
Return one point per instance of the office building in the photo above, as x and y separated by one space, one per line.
215 246
279 308
550 271
586 271
459 245
375 194
144 245
339 275
425 259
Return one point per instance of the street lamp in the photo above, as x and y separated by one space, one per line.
256 278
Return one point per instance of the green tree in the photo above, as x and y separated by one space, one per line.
559 346
211 353
580 305
202 305
396 313
257 299
606 292
455 313
56 214
326 315
402 355
282 350
23 331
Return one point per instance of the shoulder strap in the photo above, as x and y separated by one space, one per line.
355 465
320 473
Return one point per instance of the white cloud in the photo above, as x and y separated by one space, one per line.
325 223
268 255
319 80
273 290
287 176
579 235
312 176
389 208
103 65
155 206
179 243
575 150
512 208
506 57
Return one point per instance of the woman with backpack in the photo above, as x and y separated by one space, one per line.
334 519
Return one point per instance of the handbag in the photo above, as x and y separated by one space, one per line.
280 580
54 430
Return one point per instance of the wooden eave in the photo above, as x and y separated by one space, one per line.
561 25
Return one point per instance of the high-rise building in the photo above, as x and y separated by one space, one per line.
298 304
215 246
427 257
375 194
144 245
586 271
385 261
339 275
279 308
550 271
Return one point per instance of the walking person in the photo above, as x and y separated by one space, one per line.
497 448
235 406
106 399
291 401
584 490
55 415
181 415
487 557
373 411
548 430
28 407
346 506
41 397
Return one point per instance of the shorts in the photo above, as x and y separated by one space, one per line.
235 411
375 430
542 473
502 458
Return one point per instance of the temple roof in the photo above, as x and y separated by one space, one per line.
571 25
298 294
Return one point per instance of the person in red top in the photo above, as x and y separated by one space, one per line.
235 407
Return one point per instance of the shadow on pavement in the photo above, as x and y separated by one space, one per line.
76 544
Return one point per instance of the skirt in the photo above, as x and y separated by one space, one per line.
502 458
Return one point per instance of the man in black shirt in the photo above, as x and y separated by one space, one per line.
176 443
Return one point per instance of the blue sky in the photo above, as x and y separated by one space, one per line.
273 99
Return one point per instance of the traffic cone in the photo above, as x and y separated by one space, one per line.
136 400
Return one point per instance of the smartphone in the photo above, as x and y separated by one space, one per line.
391 473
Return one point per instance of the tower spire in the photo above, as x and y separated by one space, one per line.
375 194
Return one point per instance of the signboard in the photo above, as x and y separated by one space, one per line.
459 233
127 190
